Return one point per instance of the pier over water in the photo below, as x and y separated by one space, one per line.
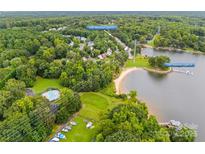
179 64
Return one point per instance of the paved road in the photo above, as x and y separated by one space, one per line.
126 48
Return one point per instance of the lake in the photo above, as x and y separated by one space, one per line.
175 96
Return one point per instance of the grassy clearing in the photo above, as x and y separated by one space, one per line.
109 90
43 84
79 133
140 61
94 105
151 42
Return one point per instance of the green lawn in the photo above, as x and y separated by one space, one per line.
140 61
109 90
151 42
94 105
43 84
79 133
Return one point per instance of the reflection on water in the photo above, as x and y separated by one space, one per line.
157 76
177 96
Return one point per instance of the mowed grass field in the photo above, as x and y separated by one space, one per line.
140 61
43 84
94 105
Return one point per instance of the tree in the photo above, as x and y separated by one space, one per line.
25 104
69 104
158 61
16 128
16 88
46 53
15 62
5 102
184 134
122 136
130 123
132 96
54 70
26 73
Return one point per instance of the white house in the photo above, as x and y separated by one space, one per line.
81 46
109 52
102 56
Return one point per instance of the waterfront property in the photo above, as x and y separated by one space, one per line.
174 96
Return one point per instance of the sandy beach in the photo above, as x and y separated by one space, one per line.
118 87
123 74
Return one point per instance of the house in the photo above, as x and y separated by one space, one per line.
52 29
102 56
126 48
109 52
81 47
29 92
85 59
71 43
67 36
61 28
90 43
81 38
175 123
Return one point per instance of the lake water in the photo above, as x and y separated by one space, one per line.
176 96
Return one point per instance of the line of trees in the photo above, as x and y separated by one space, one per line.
131 123
31 118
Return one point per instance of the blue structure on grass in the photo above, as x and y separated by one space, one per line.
51 95
105 27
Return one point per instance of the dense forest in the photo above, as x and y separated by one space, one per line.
82 60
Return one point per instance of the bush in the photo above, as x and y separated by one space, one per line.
68 104
158 61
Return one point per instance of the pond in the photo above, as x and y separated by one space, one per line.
177 95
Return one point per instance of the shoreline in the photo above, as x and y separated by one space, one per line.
170 49
123 74
119 89
126 71
158 71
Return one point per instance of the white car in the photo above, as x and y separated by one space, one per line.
68 127
55 139
65 130
73 123
89 125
